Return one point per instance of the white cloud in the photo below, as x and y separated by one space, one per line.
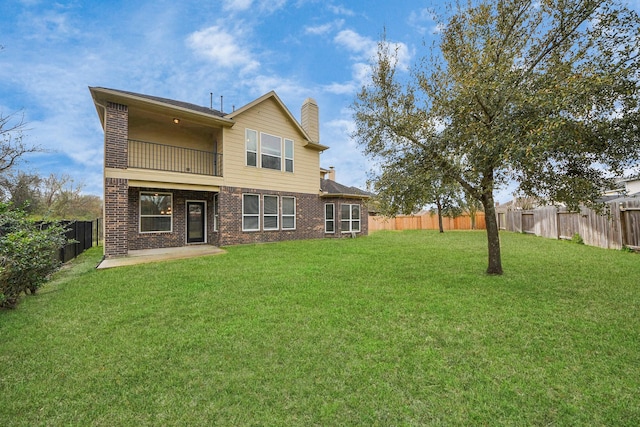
354 42
425 22
222 47
364 51
344 153
365 48
319 29
323 29
268 6
237 5
287 90
341 10
340 88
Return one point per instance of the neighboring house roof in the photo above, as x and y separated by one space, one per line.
284 108
331 188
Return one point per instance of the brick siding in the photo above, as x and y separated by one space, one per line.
177 237
115 213
115 190
116 134
309 219
338 202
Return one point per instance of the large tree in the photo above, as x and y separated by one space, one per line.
543 93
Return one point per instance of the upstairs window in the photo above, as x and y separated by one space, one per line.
271 150
251 137
288 155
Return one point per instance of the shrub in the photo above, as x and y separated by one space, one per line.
27 254
577 239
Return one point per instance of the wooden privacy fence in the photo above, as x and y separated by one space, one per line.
425 221
619 227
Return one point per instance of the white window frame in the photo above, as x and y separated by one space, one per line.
245 215
263 136
247 138
266 214
351 220
293 215
288 158
216 200
331 221
165 215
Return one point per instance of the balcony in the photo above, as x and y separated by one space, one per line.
169 158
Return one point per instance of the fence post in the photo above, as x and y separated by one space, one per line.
623 226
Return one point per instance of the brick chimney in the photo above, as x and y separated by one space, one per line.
310 119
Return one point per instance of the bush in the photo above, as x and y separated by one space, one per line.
577 239
28 254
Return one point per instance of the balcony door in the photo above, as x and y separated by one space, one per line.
196 221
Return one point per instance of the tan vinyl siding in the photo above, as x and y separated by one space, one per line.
268 117
185 135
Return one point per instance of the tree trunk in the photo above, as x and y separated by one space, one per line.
493 238
439 205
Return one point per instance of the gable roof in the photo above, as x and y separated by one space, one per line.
331 188
276 98
100 94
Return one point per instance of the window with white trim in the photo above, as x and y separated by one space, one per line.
215 212
270 215
329 218
270 151
251 137
250 212
349 218
156 212
288 155
288 213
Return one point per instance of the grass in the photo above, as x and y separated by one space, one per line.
392 329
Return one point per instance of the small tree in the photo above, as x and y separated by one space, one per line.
404 186
543 93
21 189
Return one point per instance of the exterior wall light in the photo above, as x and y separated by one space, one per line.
176 121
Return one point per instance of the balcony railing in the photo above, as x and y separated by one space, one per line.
150 155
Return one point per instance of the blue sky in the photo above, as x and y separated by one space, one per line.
185 50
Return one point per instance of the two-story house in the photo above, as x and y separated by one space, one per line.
178 174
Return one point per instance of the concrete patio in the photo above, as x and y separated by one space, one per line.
163 254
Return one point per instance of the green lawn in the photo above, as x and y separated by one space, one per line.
398 328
